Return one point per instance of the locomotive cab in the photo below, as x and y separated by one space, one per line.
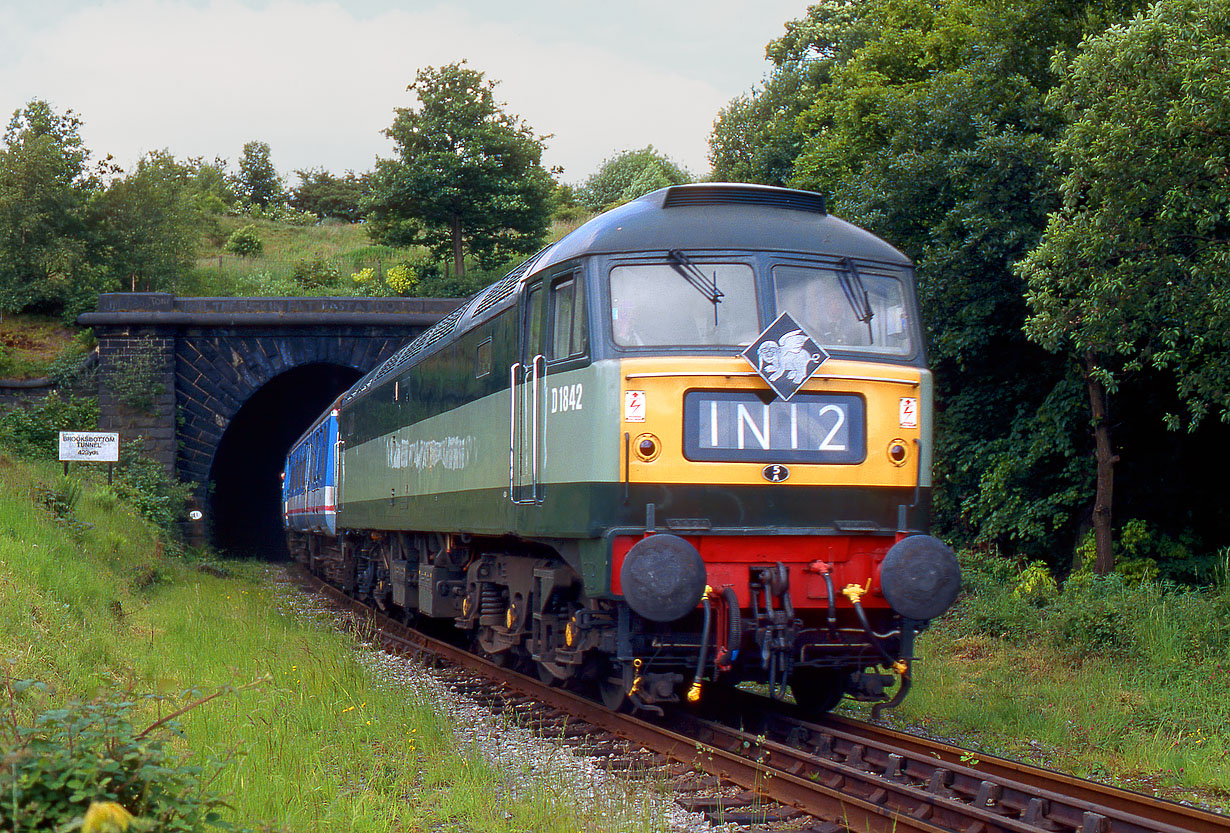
775 456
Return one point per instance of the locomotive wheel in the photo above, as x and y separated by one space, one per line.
611 692
487 649
551 673
818 690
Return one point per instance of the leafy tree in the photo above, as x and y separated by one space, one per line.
467 176
147 222
1130 275
931 130
565 207
326 195
928 124
45 187
754 137
211 184
629 175
258 180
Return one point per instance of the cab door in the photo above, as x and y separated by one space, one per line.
528 380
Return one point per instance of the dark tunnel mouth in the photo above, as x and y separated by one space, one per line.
245 477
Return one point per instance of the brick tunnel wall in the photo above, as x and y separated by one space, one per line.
175 371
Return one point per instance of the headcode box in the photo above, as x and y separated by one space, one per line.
91 447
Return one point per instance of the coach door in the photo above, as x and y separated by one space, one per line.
528 381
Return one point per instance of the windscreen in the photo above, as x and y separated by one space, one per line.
655 305
848 308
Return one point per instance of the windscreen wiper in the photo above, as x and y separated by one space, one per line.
856 294
702 283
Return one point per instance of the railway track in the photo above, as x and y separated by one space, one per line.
845 774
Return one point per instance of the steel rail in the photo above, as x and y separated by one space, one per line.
1157 810
778 785
1066 802
864 777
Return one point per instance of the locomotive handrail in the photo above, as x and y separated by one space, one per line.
534 425
338 470
516 463
512 431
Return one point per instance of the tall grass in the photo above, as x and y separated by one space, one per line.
308 737
1100 677
333 248
344 248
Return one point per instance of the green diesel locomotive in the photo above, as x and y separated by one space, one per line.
689 443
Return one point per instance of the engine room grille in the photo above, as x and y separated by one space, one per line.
682 196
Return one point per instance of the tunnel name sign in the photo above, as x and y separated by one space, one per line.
87 446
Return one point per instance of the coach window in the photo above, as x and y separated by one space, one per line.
569 334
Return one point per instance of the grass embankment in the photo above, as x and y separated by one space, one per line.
322 260
307 739
34 345
335 250
1104 679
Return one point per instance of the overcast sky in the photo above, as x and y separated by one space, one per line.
319 81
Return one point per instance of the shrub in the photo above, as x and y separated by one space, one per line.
1091 616
62 497
1143 553
144 483
245 242
315 272
76 366
34 431
989 604
402 279
1036 585
91 754
368 282
292 216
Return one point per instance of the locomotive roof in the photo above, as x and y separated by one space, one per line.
713 216
721 216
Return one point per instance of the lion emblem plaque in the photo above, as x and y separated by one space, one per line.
785 356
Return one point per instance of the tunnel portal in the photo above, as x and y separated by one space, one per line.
233 382
246 487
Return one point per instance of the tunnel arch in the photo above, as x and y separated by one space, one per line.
244 495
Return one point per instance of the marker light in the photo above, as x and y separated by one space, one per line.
648 447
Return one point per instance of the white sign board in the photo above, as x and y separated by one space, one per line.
93 447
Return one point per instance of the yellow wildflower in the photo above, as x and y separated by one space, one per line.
106 817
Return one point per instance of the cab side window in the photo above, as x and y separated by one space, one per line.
533 323
569 330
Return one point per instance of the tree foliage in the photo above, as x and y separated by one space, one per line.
929 124
1133 266
147 222
245 242
468 176
45 185
69 230
326 195
1130 275
258 181
629 175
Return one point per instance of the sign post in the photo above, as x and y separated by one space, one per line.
92 447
